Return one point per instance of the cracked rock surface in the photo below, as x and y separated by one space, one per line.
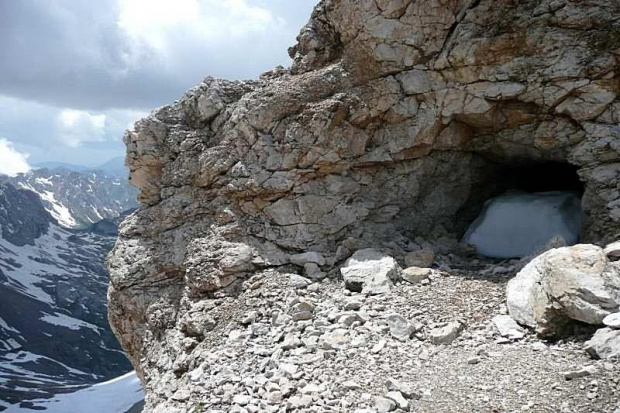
396 121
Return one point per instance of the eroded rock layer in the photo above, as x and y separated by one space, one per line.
397 119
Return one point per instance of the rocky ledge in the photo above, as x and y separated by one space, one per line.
440 342
396 122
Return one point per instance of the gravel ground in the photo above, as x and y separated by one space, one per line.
267 354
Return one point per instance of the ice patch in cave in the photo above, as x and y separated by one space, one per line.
517 224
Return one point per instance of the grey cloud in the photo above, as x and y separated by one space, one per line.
34 128
71 53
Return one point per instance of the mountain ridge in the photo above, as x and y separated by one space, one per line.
52 286
79 199
114 165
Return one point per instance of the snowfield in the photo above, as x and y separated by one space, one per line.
114 396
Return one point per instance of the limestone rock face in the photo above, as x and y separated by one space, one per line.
564 284
395 120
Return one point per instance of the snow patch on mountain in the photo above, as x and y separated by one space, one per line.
78 199
28 267
24 357
71 323
114 396
60 212
4 325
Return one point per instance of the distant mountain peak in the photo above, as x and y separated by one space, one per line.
114 166
60 165
77 199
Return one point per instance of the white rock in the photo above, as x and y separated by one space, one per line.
349 318
380 284
370 270
353 304
351 385
575 282
414 275
308 257
378 347
613 250
288 368
291 341
337 339
297 281
612 320
508 327
384 405
242 399
209 105
604 344
400 328
250 318
181 395
313 388
280 319
297 402
473 360
398 398
274 397
404 389
446 334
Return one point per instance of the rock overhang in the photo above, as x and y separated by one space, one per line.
386 127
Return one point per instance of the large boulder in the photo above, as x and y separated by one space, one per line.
570 283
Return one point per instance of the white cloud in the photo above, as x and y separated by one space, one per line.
65 134
88 66
12 161
78 126
161 23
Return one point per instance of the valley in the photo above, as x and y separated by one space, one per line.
54 332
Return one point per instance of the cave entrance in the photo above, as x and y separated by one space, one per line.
540 177
522 207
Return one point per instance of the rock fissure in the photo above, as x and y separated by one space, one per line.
458 19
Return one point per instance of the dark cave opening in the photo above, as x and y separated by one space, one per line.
531 184
540 177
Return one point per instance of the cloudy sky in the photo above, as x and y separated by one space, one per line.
76 73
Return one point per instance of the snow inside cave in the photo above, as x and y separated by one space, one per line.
518 223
